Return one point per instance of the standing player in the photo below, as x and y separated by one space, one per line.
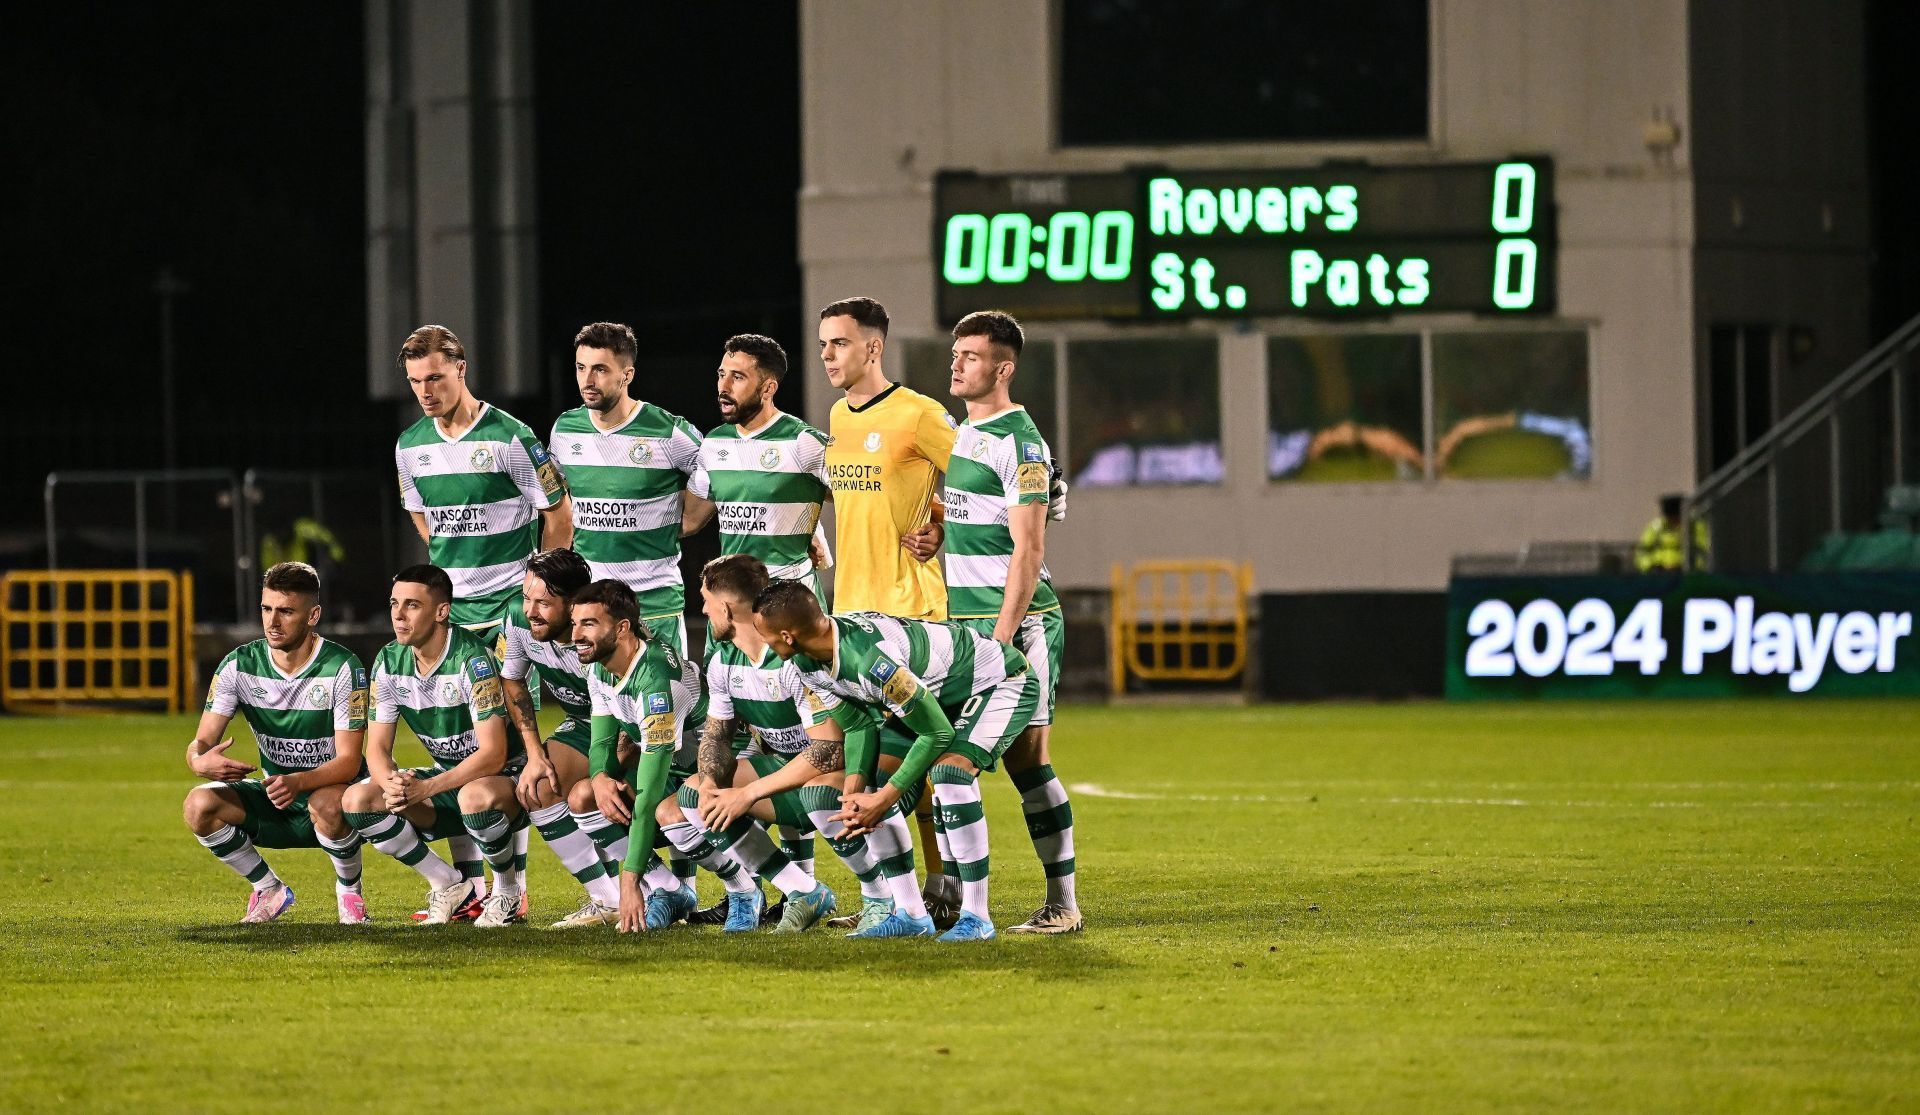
888 442
306 700
997 582
446 685
539 632
627 463
483 495
963 696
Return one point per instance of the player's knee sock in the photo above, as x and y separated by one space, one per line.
957 795
1050 823
236 850
490 830
522 840
658 876
683 866
345 854
576 852
892 845
797 846
464 853
821 803
610 838
756 850
690 835
397 838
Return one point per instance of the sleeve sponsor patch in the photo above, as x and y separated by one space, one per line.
1030 451
480 667
1031 479
357 707
657 731
488 697
881 670
658 703
814 702
550 479
538 452
900 688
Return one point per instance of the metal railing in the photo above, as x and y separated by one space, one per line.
1179 621
155 518
96 635
1720 498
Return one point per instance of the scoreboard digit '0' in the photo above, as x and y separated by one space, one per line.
1331 241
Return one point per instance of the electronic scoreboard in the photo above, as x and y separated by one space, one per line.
1330 241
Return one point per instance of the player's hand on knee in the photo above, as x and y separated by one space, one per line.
719 809
538 770
611 797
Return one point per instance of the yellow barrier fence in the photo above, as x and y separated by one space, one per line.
85 636
1179 621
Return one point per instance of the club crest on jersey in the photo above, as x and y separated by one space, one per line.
978 449
657 703
480 666
1030 452
320 696
770 458
641 453
482 459
450 692
873 442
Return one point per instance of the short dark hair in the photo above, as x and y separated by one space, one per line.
997 326
427 340
610 335
741 575
869 313
439 585
765 351
787 603
564 571
1670 504
617 599
292 576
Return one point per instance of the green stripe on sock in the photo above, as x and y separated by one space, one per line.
1050 821
1059 870
1033 779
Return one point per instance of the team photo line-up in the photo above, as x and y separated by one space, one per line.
554 574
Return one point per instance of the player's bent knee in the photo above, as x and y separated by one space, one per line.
580 797
959 763
483 794
202 808
362 797
668 811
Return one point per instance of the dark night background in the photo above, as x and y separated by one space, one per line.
229 146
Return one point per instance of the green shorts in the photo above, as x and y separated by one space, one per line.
446 807
787 809
577 734
1042 637
268 825
984 725
672 628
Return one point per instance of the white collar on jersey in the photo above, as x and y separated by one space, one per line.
994 415
477 416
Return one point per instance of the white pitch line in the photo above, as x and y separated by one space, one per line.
1095 790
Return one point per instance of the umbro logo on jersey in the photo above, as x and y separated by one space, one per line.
739 681
425 458
873 442
722 454
482 460
576 448
402 691
259 692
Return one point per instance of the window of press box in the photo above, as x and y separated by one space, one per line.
1144 412
1035 384
1344 407
1160 72
1512 405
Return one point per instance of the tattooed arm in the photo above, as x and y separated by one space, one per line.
716 752
826 755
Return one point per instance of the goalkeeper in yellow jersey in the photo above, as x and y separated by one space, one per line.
887 450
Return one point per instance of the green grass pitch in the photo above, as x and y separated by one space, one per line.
1624 907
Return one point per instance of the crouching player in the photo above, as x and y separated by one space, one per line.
553 787
965 697
306 700
443 681
748 685
640 689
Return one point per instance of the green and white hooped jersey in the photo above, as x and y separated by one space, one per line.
767 487
626 488
443 705
560 668
999 463
767 696
652 701
882 661
293 716
482 494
